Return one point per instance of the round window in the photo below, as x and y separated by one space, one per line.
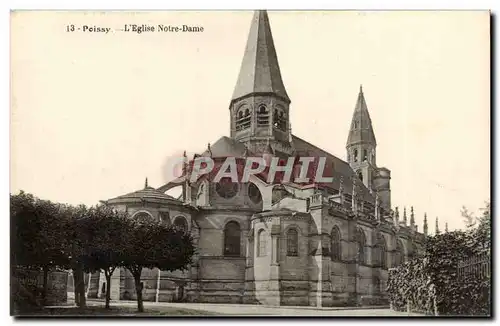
143 217
226 188
254 193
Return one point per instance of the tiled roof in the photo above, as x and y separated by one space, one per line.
146 193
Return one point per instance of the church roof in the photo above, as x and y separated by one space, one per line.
361 126
146 193
226 147
260 72
340 167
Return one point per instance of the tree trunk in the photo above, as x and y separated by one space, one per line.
79 287
138 289
45 284
75 289
108 274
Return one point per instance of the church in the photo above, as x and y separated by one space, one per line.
296 244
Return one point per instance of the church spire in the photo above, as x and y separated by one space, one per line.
260 72
361 130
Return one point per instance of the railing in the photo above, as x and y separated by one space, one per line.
475 266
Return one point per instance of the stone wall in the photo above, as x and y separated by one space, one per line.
57 285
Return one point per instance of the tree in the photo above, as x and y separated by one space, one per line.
38 235
152 244
77 246
483 232
107 244
468 218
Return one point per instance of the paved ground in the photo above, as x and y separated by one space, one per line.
259 310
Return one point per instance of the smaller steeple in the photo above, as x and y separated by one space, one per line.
412 218
209 150
354 195
437 226
341 190
396 216
426 227
377 206
361 200
405 219
246 153
446 227
146 183
361 130
184 163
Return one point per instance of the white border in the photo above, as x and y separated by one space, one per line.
187 5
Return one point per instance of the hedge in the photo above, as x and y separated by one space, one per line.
431 282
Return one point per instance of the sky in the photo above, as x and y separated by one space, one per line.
94 114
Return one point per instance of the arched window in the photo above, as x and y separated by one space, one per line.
232 236
355 158
292 243
356 124
165 217
143 216
360 175
262 245
181 223
365 155
336 250
361 242
262 116
243 120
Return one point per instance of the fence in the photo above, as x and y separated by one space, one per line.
476 266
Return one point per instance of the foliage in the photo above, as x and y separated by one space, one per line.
409 284
435 275
47 235
152 244
468 218
37 240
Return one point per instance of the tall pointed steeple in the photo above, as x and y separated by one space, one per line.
361 126
260 72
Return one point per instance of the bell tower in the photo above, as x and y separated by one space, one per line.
259 106
362 155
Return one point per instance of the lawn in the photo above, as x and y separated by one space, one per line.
114 311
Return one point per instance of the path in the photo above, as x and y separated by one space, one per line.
256 310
